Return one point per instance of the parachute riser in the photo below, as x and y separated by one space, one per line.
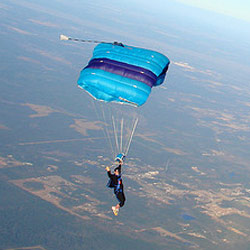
66 38
85 41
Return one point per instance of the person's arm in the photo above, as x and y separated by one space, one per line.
109 172
120 168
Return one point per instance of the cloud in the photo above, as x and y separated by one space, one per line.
3 127
51 56
40 109
184 65
47 24
220 119
43 110
3 6
174 151
189 68
9 161
164 233
247 104
82 126
20 31
28 59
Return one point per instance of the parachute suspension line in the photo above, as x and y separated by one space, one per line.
96 112
98 115
106 131
121 136
66 38
115 133
131 135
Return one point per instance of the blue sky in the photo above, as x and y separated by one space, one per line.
235 8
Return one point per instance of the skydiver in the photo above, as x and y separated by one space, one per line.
115 181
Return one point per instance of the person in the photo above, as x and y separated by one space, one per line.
115 181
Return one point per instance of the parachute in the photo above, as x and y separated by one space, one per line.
123 74
120 74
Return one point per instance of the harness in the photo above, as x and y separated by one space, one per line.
117 187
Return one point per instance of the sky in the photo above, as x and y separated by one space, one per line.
236 8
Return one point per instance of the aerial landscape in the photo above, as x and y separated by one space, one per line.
186 175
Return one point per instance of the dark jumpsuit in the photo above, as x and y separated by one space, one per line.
118 186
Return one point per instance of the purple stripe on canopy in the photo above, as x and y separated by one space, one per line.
124 69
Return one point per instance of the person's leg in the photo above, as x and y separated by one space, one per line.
121 198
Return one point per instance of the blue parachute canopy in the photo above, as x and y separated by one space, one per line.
123 74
